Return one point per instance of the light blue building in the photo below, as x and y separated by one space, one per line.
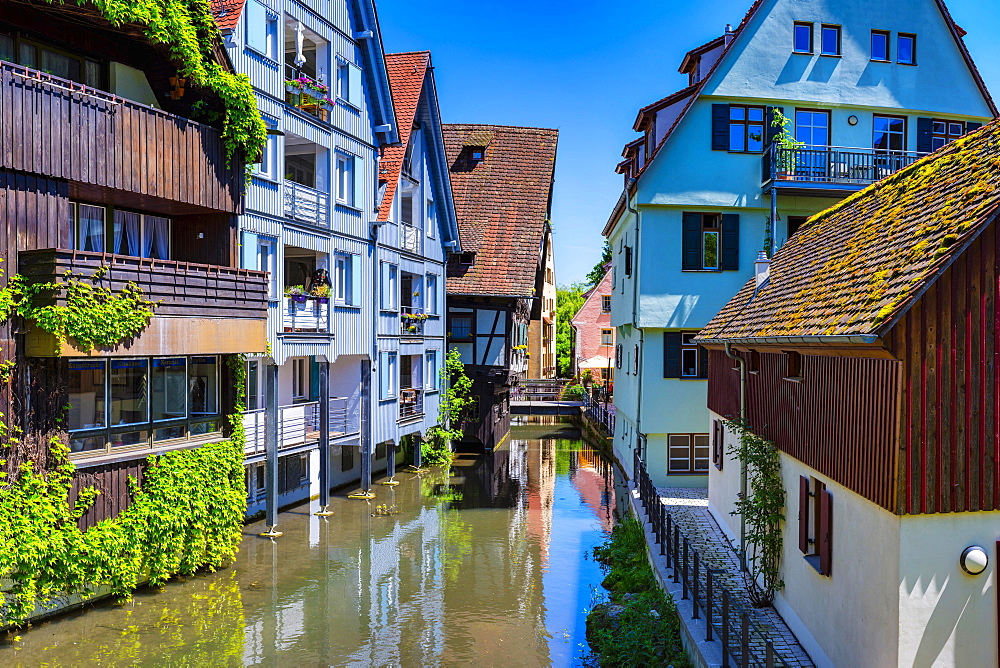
867 86
318 68
417 230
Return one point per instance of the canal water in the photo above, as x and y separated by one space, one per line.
489 564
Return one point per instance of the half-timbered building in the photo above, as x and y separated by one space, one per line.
107 177
867 352
502 182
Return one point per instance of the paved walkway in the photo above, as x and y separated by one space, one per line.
689 510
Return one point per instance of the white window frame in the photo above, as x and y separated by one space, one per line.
605 299
608 338
390 287
269 262
345 178
343 278
300 378
431 216
431 300
388 375
432 380
692 447
267 168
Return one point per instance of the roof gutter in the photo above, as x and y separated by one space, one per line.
817 340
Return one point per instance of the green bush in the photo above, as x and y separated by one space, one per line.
573 392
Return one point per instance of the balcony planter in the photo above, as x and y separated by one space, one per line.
296 293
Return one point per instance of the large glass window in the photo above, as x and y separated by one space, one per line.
889 134
169 388
203 386
129 391
746 128
87 223
86 394
118 402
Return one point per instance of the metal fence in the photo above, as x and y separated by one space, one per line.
541 389
600 412
744 644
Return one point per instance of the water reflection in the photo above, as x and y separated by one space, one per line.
486 564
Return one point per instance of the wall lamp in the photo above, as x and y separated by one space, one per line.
974 560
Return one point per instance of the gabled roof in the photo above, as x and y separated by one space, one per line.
640 119
407 72
855 269
227 13
503 204
956 31
689 58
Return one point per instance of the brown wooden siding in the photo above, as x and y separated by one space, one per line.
112 481
950 440
181 288
841 419
94 139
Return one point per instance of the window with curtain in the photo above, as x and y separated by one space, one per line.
139 235
88 227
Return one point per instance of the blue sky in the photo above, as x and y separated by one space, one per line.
585 68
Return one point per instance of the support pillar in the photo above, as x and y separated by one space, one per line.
271 431
324 439
366 432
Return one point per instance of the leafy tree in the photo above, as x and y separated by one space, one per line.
568 303
597 273
456 400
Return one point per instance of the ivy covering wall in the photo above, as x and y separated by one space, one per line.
186 515
189 32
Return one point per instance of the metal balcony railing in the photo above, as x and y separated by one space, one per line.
306 204
298 424
309 316
831 165
411 321
411 403
410 238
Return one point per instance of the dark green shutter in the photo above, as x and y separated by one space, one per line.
671 354
925 135
729 244
313 379
702 362
720 127
691 241
969 127
772 131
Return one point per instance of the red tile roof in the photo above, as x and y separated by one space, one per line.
502 205
227 13
856 268
407 72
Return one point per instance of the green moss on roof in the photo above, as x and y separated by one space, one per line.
855 266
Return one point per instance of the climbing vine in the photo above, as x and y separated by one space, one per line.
456 401
188 30
763 511
92 315
185 515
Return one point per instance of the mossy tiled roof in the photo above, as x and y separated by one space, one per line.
854 268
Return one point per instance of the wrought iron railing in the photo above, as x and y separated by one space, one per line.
411 403
601 412
539 389
833 164
727 619
298 424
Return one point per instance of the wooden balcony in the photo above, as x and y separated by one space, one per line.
830 170
201 308
96 141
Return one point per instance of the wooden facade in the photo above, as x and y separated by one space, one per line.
917 433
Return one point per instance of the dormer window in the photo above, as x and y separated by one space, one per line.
466 259
477 153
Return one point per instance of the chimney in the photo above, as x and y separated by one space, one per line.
762 269
729 33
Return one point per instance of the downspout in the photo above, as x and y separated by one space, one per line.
774 221
635 310
743 465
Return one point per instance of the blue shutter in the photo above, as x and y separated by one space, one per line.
671 354
720 127
360 181
925 135
248 250
355 280
256 20
354 85
691 241
313 379
729 243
